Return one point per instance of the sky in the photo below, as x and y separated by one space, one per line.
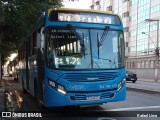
81 4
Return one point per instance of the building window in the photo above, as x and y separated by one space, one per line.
92 6
155 8
126 14
153 27
109 8
125 1
97 3
126 29
126 44
132 2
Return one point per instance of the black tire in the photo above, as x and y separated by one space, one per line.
134 81
35 90
39 104
24 90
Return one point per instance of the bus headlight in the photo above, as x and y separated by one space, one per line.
120 85
52 83
56 86
61 89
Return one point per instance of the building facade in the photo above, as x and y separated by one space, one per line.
141 19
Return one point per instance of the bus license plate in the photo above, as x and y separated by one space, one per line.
93 98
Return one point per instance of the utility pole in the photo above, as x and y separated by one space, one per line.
157 47
150 39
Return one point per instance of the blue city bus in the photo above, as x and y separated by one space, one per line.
74 57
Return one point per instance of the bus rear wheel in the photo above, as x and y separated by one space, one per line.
23 89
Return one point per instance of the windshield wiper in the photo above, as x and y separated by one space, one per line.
100 42
105 59
73 30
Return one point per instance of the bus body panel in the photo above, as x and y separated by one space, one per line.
77 92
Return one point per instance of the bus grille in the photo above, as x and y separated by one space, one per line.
90 77
107 95
82 97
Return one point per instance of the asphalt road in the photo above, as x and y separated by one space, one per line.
138 105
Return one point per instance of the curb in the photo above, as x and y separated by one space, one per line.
144 90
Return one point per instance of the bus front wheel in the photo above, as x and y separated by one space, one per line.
39 103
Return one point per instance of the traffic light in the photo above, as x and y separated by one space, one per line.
157 51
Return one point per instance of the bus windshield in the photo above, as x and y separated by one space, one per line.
77 48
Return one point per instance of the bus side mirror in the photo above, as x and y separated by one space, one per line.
42 37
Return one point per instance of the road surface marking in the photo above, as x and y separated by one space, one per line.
133 108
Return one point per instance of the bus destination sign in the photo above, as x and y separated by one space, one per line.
89 17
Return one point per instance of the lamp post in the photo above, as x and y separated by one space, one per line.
149 39
157 47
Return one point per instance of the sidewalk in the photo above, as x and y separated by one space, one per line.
149 86
9 85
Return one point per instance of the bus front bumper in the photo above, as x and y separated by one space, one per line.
54 98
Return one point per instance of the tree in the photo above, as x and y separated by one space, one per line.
17 18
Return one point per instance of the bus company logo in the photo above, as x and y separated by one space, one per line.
77 87
6 114
90 79
17 114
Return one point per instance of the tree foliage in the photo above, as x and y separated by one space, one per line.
17 18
